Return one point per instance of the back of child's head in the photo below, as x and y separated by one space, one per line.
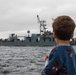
63 27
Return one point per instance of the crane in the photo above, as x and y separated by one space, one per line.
42 25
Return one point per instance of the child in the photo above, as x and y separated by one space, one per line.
62 59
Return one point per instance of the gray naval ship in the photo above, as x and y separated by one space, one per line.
44 38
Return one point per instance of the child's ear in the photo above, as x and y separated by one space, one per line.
54 35
72 36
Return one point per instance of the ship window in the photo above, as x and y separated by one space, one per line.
36 40
30 39
12 40
50 39
44 39
53 39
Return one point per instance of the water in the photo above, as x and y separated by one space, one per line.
22 60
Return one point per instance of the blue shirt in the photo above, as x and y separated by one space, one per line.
62 61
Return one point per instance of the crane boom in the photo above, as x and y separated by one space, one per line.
38 18
42 25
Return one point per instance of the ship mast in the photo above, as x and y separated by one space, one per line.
42 25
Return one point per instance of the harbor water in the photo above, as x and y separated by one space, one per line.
22 60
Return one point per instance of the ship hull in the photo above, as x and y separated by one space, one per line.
19 43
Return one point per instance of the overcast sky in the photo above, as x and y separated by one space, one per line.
18 16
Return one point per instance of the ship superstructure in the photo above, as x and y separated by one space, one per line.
45 39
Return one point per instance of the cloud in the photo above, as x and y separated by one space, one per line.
20 15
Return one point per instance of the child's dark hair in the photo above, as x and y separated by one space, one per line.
63 27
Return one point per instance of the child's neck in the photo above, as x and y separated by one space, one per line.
63 42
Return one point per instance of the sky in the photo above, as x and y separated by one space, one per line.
18 16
